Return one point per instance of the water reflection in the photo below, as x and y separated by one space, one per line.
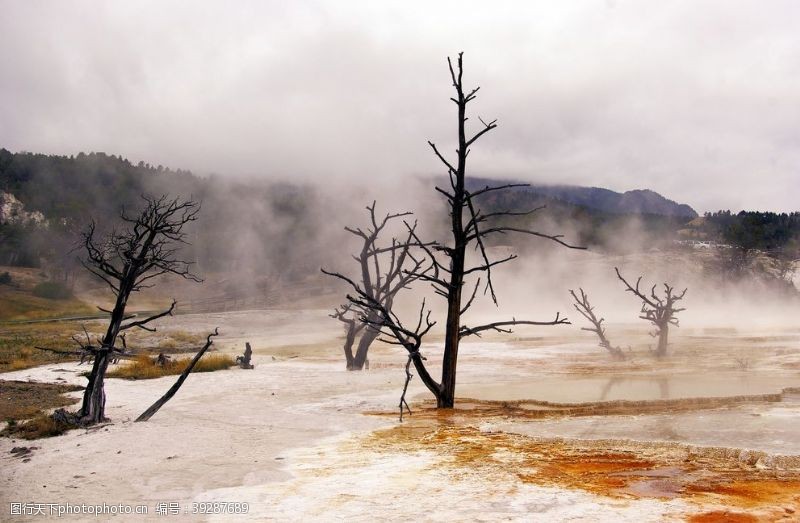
634 388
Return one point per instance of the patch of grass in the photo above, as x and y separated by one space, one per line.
17 344
52 290
180 340
30 294
21 400
16 304
23 405
42 426
146 367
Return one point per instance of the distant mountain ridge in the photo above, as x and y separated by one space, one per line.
638 201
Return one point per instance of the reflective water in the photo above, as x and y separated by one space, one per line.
772 427
570 389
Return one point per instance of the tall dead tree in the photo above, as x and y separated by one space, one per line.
470 228
657 310
126 260
383 273
583 306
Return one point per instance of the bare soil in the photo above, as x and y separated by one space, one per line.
21 400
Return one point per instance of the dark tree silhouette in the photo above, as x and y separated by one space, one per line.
384 272
583 306
352 327
382 276
470 228
126 260
658 311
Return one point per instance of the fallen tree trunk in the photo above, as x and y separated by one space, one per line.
146 415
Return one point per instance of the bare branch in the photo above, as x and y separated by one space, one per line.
488 189
142 324
502 230
450 168
583 306
498 325
487 127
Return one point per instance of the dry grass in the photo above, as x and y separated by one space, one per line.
21 400
180 340
42 426
19 302
17 344
146 367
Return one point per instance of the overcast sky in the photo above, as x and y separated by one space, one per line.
698 100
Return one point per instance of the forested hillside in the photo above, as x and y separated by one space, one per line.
254 226
251 222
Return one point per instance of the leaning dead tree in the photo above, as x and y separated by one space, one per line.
445 265
381 275
128 260
657 310
583 306
146 415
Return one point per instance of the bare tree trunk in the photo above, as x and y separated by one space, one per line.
348 344
244 360
146 415
94 397
663 334
446 397
364 344
93 409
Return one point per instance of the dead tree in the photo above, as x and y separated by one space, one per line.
470 228
381 268
244 360
352 327
146 415
658 311
583 306
127 261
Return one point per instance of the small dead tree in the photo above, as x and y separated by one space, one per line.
583 306
244 360
381 268
352 327
146 415
377 317
470 228
657 310
126 260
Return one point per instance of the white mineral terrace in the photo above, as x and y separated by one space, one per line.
289 436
